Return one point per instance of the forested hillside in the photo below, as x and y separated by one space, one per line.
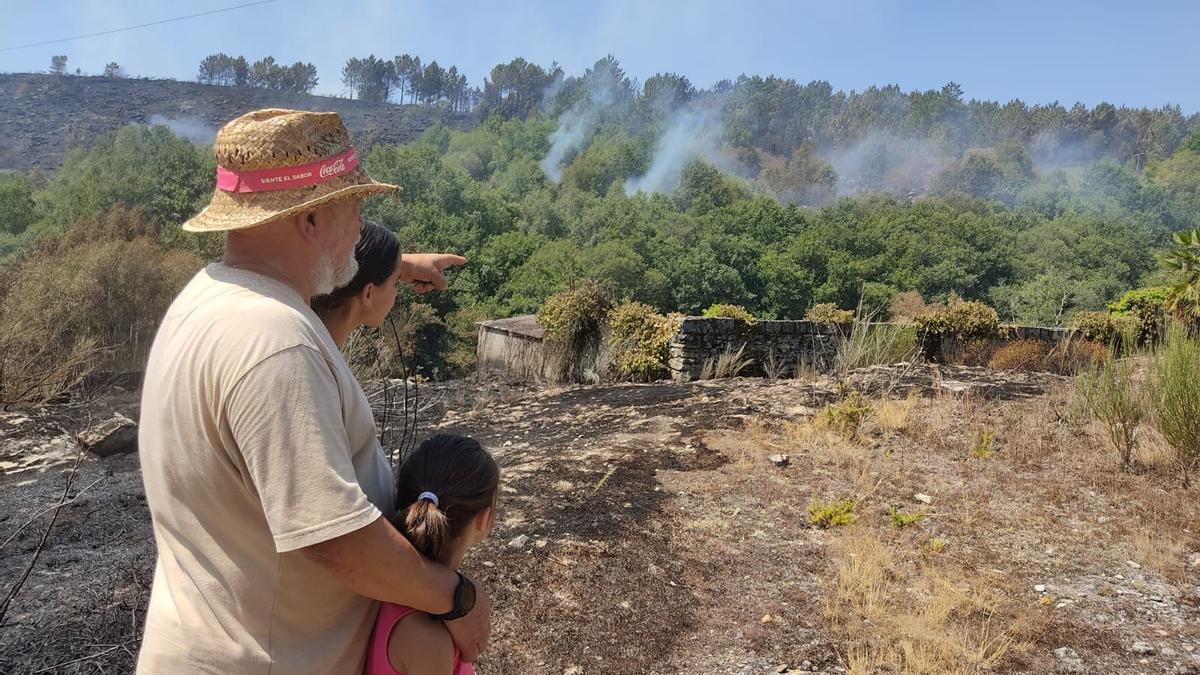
759 191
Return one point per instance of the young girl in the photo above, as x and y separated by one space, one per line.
369 296
445 503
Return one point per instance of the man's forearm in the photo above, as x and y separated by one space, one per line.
378 562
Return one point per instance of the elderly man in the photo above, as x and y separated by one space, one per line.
268 488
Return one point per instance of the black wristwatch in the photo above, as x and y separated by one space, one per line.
464 600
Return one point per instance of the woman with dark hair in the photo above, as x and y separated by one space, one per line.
370 295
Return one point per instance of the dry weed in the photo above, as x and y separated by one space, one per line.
1162 552
893 415
916 619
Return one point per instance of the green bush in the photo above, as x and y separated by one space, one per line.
100 297
964 319
638 339
165 176
1103 327
1116 401
827 312
574 320
17 209
846 416
1175 393
1146 312
720 311
832 514
902 519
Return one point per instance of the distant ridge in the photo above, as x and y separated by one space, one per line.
43 115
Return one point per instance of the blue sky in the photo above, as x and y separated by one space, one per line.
1124 52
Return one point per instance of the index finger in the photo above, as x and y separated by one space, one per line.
450 260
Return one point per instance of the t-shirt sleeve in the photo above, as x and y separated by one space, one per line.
286 418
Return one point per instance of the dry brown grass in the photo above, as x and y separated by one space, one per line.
1163 552
893 415
898 614
1020 355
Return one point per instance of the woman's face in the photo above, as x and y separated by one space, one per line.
383 298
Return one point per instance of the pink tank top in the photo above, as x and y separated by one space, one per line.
377 651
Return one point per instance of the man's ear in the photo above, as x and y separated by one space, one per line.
306 226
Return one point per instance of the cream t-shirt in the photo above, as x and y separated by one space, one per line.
255 441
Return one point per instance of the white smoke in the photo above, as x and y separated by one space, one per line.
575 126
690 134
882 161
193 129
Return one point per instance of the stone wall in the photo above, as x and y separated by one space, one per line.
786 343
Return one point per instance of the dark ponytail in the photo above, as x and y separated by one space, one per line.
377 253
464 480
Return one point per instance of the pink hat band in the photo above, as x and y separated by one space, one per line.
287 177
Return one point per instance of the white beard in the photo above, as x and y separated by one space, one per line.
329 277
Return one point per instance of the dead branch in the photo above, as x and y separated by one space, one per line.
37 552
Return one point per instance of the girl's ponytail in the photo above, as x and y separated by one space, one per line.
440 488
427 528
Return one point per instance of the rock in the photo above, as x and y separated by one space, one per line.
779 459
1168 652
1142 648
114 436
923 498
1069 660
1194 560
519 541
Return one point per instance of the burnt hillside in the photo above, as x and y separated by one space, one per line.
43 115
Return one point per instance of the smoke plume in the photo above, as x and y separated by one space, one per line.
193 129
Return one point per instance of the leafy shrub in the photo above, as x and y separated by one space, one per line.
82 295
901 519
1114 399
846 416
963 319
827 312
720 311
1102 327
1175 393
17 209
832 514
638 339
574 321
982 447
149 167
1146 312
1026 355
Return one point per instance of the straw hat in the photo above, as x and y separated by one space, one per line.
273 163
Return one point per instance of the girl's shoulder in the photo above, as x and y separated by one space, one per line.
419 645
